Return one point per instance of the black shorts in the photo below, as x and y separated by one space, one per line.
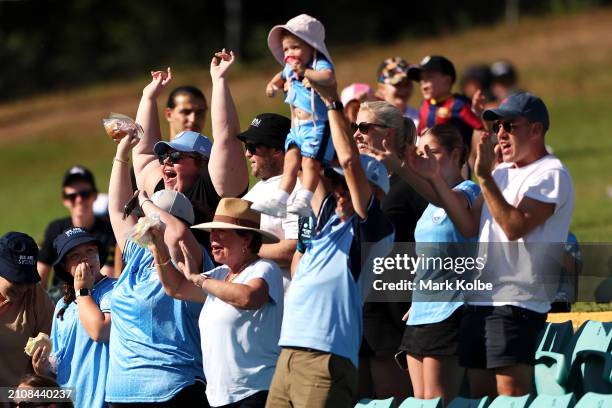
434 339
499 336
382 328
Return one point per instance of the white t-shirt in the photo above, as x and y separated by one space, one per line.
519 267
240 347
283 228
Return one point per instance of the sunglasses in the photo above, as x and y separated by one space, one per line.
364 127
507 126
252 147
173 157
85 194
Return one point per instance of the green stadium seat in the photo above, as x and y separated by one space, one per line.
554 401
591 369
594 400
556 337
460 402
412 402
370 403
505 401
552 368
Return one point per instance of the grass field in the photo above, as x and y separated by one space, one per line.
565 59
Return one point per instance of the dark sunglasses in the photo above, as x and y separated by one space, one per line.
85 194
507 126
364 127
173 157
252 147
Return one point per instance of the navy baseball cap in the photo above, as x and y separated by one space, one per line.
76 173
521 104
375 171
268 129
186 142
433 63
18 257
66 241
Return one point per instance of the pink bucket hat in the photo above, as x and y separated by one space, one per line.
356 92
305 27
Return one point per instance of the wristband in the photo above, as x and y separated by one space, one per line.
82 292
335 105
120 160
144 201
163 263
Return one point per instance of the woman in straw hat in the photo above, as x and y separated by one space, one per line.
243 304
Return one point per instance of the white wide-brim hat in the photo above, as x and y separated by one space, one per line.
305 27
236 214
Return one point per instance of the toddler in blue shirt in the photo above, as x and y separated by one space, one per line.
299 45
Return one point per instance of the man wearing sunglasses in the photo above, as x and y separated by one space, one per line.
264 142
527 199
78 195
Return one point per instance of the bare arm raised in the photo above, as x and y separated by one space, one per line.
227 167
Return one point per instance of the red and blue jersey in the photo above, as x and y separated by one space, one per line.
455 110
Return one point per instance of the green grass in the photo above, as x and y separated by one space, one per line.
564 59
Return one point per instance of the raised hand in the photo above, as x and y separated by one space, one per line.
486 157
188 266
221 63
83 277
386 156
159 80
478 103
271 89
425 166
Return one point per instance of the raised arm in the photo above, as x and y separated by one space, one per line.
276 83
346 150
176 284
120 189
146 167
96 323
517 221
227 167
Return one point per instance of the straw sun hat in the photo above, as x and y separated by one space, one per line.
236 214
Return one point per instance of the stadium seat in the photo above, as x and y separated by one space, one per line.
556 337
370 403
554 401
420 403
591 368
593 400
504 401
460 402
590 343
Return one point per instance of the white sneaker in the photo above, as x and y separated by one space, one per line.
301 207
271 206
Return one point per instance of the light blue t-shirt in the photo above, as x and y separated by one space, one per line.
240 347
155 340
323 308
432 231
81 362
299 96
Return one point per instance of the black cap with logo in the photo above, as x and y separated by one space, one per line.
268 129
18 257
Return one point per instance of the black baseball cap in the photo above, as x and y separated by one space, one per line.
18 257
78 173
434 63
66 241
268 129
522 104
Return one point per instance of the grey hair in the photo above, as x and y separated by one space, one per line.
388 115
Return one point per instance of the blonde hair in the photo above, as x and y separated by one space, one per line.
388 115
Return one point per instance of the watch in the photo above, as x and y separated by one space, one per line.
82 292
335 105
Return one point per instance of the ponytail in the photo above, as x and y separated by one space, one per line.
69 297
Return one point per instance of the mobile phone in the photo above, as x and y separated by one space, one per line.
400 359
131 205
